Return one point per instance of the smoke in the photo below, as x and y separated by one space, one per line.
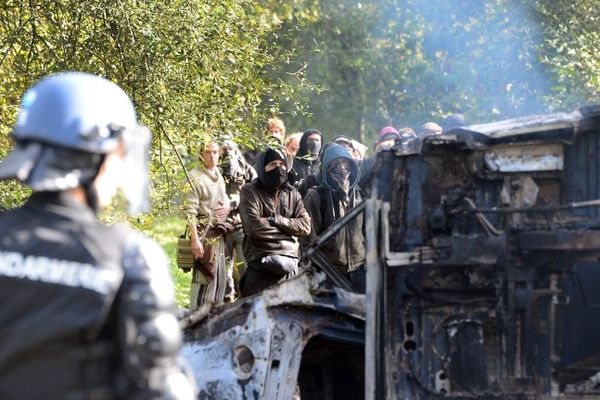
406 62
480 57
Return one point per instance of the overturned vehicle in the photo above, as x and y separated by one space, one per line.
483 267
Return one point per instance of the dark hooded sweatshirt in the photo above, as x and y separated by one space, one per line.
303 167
326 204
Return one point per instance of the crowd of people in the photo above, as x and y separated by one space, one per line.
89 309
251 216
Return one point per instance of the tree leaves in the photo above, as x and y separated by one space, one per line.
194 68
405 63
198 69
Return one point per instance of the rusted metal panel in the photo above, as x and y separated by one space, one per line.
547 124
490 245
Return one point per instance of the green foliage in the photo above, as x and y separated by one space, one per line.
378 62
165 230
194 68
198 69
572 50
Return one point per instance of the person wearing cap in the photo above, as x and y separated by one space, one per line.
306 162
386 138
356 149
429 129
407 134
453 121
336 194
343 141
206 207
273 220
88 310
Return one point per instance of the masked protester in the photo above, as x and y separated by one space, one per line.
206 207
87 309
306 164
273 218
336 194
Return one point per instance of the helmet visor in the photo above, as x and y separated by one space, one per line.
136 188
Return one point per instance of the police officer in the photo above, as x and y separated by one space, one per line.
87 309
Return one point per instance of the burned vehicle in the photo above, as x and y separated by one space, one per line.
483 264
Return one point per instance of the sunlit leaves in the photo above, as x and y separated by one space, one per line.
194 68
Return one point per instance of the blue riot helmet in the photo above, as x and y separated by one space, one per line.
66 125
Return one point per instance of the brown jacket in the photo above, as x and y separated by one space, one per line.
262 238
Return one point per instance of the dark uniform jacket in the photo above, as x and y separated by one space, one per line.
76 298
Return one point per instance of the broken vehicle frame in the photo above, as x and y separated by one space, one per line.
289 339
482 268
483 263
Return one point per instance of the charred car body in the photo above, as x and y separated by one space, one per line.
483 249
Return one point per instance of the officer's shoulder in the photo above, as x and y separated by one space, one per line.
140 252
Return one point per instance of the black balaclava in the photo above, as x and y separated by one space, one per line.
309 149
274 179
313 146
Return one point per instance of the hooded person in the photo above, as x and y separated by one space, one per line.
336 194
306 162
273 220
386 139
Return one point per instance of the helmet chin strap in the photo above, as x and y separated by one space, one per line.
91 197
91 194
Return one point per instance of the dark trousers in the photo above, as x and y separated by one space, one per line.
256 279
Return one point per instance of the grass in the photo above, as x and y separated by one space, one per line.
165 230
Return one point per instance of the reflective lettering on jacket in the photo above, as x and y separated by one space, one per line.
60 272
